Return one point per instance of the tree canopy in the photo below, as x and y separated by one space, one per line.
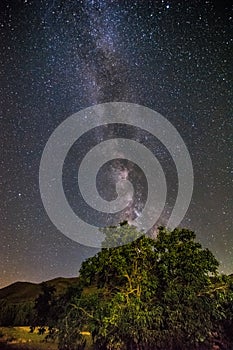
163 293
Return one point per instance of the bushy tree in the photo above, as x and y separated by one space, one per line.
72 319
162 293
44 306
16 314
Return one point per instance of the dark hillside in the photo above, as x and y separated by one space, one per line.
20 292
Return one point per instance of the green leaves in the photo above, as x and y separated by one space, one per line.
152 294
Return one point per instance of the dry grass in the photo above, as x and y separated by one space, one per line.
20 338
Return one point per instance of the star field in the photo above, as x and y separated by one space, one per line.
58 57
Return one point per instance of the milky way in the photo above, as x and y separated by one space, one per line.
58 57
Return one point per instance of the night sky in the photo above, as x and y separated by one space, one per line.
58 57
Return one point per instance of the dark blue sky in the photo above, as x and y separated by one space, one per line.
58 57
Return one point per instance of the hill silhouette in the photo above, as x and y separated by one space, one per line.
20 292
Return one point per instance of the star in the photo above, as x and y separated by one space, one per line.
61 57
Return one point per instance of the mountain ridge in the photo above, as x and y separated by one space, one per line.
18 292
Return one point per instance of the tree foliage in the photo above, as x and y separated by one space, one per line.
43 303
16 314
162 293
